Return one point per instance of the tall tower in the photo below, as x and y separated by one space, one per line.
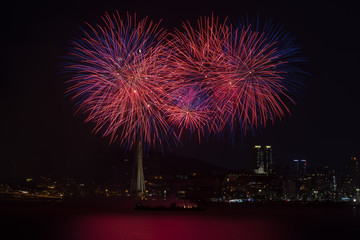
262 161
299 168
258 159
295 168
302 167
138 181
268 159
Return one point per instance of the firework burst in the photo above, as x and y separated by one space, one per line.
120 79
243 71
188 110
131 81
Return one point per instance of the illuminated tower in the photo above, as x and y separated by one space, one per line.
262 160
258 159
138 181
299 168
268 159
302 167
295 168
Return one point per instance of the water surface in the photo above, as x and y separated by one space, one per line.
94 222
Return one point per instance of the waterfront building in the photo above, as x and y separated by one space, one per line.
262 160
299 168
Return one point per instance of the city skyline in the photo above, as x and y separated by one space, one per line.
195 181
40 131
260 162
297 177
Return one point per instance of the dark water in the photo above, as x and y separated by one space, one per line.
108 221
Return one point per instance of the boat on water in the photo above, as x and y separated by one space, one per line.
172 206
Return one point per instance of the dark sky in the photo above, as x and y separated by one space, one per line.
39 131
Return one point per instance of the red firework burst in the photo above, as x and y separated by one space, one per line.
188 109
238 68
120 79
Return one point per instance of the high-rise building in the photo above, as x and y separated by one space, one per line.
295 167
299 168
354 171
257 157
268 159
262 161
302 167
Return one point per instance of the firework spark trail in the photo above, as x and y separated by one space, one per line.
192 69
131 80
120 79
188 110
242 71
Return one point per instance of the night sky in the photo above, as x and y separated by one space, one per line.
40 133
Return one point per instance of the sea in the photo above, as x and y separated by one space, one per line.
117 220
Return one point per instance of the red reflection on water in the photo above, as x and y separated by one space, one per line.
169 227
